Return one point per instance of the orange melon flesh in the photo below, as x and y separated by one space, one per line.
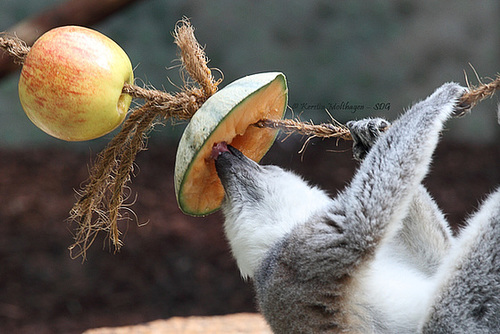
226 116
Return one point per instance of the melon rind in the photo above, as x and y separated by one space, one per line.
212 114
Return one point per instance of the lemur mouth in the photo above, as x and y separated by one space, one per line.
222 147
218 149
230 163
227 159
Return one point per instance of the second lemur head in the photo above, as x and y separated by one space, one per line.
261 205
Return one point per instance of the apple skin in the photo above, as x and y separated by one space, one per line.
71 83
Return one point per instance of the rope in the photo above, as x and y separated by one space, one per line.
99 203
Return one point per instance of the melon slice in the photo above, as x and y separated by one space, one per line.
227 116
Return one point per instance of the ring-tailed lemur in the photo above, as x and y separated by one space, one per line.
378 258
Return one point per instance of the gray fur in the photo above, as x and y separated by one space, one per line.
378 258
468 300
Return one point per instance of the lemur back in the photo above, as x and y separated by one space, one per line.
378 258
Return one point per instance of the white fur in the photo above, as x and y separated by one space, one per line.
252 233
396 291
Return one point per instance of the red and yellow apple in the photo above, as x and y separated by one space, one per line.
71 83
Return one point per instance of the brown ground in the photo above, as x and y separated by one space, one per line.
174 265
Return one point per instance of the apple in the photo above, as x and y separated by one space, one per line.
71 83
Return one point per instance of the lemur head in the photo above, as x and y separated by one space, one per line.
262 204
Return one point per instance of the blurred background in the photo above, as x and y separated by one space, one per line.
367 54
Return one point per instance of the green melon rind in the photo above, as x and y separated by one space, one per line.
207 119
